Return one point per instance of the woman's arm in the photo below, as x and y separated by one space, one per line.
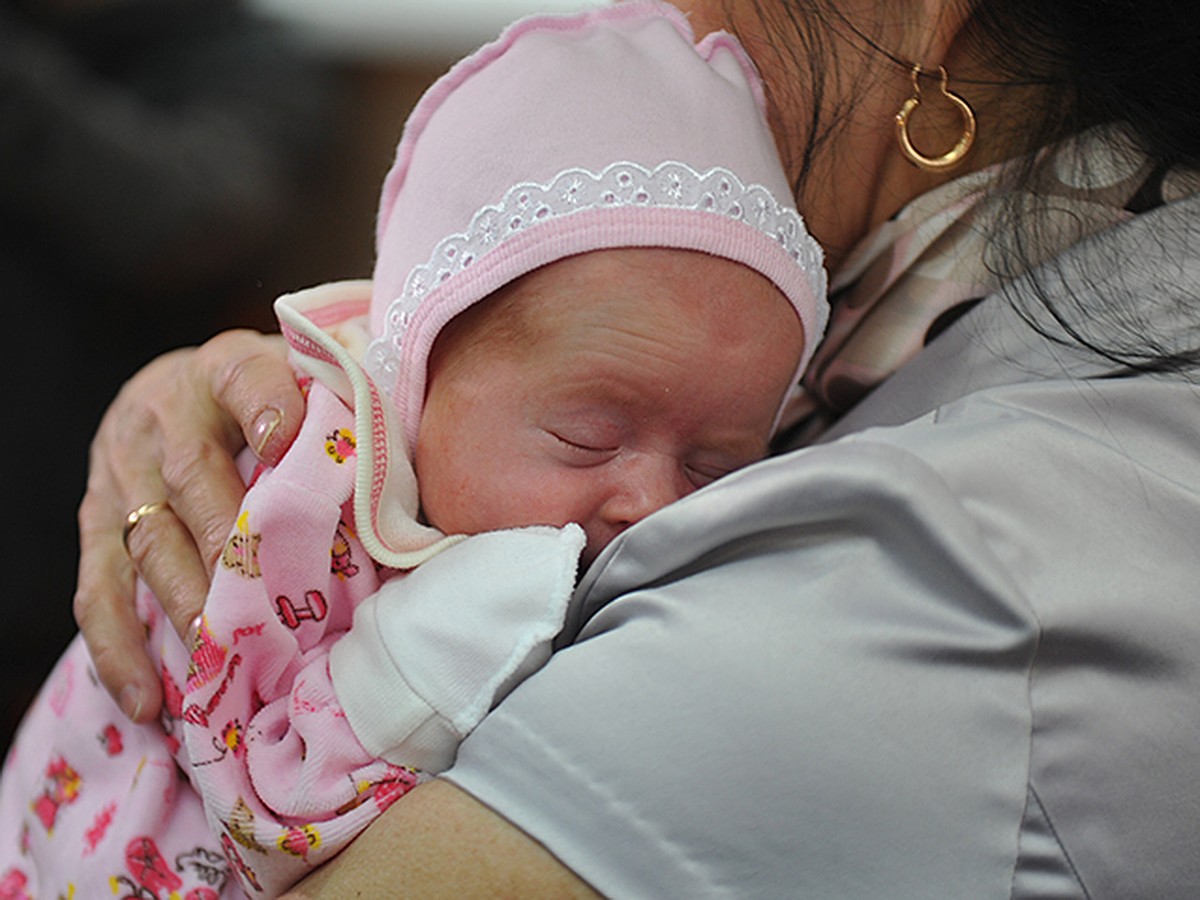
441 842
171 434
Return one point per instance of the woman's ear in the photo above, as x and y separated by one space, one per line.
938 26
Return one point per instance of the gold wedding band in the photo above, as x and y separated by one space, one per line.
131 520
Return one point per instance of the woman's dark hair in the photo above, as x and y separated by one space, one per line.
1116 61
1094 63
1104 63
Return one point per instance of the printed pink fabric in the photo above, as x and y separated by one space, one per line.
915 274
92 806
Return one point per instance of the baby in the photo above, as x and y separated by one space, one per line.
590 299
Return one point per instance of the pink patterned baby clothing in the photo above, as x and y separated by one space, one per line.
257 771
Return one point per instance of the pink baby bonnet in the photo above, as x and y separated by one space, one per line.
603 129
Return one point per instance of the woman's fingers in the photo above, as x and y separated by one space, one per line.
251 380
244 393
104 605
176 550
171 435
124 473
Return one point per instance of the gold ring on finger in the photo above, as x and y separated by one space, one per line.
132 520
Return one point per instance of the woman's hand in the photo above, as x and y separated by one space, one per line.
171 434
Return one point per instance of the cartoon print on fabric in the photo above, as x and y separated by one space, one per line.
197 714
148 871
241 826
231 741
12 885
110 739
239 864
395 783
292 615
207 866
149 876
341 559
232 738
299 839
241 551
99 828
207 659
60 787
172 712
340 445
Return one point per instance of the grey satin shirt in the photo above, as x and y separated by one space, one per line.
954 651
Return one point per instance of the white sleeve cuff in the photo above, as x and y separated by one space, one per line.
433 651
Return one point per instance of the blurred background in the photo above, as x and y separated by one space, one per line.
168 167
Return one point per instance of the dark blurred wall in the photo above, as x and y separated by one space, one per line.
167 167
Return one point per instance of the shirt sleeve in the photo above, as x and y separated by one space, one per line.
430 655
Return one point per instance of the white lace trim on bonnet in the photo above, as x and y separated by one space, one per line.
670 185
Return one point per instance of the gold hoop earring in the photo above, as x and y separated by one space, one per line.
955 154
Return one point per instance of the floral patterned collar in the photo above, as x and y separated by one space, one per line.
915 274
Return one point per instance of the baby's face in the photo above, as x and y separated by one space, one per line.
628 379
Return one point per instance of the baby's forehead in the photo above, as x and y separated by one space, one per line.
614 327
630 288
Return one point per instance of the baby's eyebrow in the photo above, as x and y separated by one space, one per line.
596 393
593 411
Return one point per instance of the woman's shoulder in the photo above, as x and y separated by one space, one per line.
886 661
921 642
1065 472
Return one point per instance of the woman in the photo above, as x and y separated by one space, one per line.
945 651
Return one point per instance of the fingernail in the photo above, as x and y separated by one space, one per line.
193 632
131 701
264 426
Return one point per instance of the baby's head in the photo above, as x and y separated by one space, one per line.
591 293
600 388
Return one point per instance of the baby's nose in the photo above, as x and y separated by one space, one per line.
642 487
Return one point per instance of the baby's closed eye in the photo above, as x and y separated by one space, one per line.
583 446
700 474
